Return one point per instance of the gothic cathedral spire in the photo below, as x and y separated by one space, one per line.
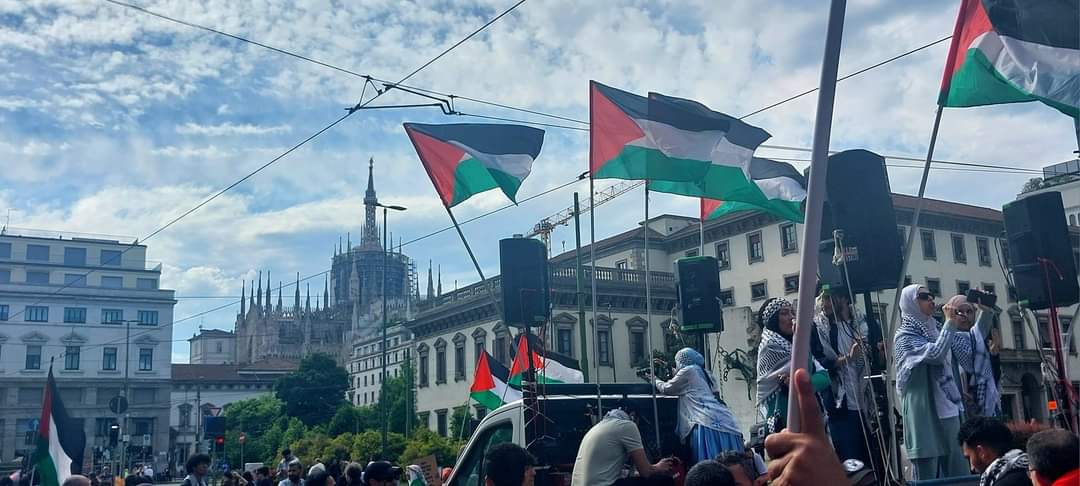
243 294
430 282
370 238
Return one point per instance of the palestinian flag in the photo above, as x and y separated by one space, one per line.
1011 51
489 387
774 187
469 158
663 138
60 440
550 367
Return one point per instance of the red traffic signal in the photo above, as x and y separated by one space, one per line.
219 440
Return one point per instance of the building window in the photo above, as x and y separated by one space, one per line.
112 316
33 357
75 257
1018 334
71 357
1072 220
692 252
5 275
791 284
755 248
934 286
108 359
184 410
500 349
621 265
36 313
75 315
759 291
112 282
440 422
220 347
37 252
74 280
788 240
150 318
111 258
637 347
479 348
37 278
603 342
929 248
902 233
959 251
146 283
146 359
440 365
982 246
962 287
3 312
5 250
565 342
727 297
723 255
989 288
459 361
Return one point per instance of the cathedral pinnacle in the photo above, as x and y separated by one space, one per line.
370 235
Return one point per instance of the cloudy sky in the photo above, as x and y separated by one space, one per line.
115 122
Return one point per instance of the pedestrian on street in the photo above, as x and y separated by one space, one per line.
197 466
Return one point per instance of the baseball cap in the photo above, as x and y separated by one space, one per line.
382 471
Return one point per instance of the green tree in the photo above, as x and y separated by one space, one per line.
258 419
352 419
461 423
313 392
1033 184
425 443
400 394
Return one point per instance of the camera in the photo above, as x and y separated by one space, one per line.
976 296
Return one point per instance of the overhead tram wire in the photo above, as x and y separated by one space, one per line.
347 114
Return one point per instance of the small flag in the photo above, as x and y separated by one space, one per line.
469 158
489 387
1011 51
774 187
60 440
550 367
663 138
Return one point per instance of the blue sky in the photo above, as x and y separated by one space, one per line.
112 121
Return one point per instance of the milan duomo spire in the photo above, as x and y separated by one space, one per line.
430 282
370 237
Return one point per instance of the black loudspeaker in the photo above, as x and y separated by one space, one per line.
525 288
697 280
1035 228
858 202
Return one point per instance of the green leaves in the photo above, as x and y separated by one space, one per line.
314 392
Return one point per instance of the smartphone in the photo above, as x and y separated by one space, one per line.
977 296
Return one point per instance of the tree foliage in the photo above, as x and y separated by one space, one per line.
426 443
314 392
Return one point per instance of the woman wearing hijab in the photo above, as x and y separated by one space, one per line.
842 335
777 321
927 386
706 423
973 356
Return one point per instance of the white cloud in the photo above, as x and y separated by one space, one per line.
229 128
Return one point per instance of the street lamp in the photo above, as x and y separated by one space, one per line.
125 432
382 381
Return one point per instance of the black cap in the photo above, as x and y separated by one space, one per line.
381 471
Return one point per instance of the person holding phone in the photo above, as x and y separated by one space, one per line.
978 387
927 384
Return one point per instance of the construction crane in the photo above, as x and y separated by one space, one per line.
546 226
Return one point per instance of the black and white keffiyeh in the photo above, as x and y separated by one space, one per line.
1010 461
914 339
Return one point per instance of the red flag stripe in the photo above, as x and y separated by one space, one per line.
971 22
440 160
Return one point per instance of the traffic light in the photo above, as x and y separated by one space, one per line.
114 435
219 443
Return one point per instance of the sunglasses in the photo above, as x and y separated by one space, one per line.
965 312
924 296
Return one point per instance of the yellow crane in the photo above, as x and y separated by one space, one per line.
546 226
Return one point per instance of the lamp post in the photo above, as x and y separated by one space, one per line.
125 432
383 406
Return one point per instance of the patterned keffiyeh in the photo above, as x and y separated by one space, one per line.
774 357
1010 461
914 341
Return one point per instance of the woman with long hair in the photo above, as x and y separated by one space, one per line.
777 321
706 423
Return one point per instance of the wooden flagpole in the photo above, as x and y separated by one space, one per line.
815 199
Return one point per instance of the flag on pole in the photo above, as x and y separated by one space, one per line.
490 383
775 187
550 367
1011 51
663 138
60 440
469 158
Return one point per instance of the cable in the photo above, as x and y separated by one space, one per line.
913 159
348 113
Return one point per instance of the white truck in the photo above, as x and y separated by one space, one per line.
566 412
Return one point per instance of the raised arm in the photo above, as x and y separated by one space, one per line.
678 383
938 349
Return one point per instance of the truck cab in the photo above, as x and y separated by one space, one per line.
566 413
